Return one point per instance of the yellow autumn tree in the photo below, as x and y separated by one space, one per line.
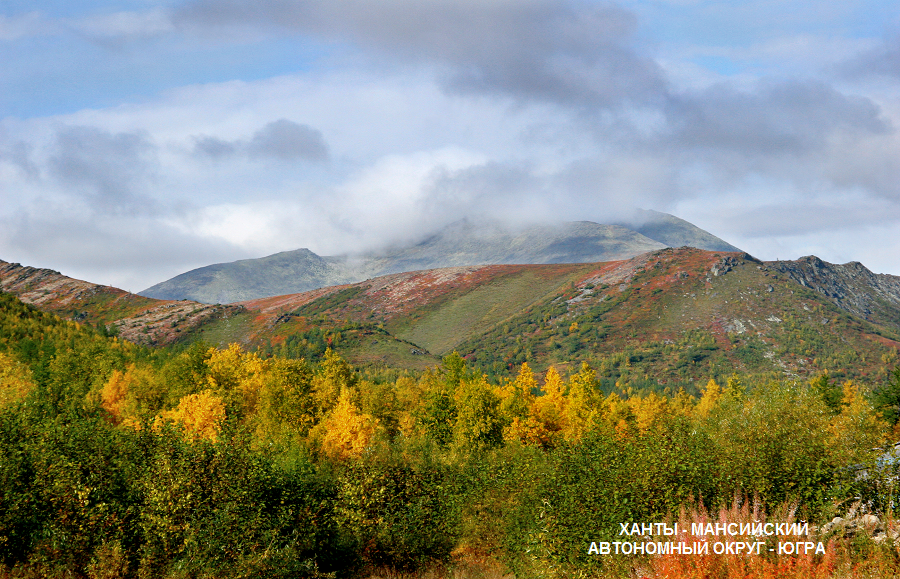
682 403
710 398
584 403
857 428
237 377
114 395
516 398
15 380
199 416
617 413
346 432
548 413
478 423
333 376
649 410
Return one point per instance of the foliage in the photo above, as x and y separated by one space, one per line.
887 397
203 461
347 432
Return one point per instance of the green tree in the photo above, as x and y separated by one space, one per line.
478 423
887 397
830 392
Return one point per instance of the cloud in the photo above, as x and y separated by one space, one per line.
130 252
881 61
111 169
13 28
125 26
214 147
434 110
799 138
774 118
18 154
569 52
288 141
283 140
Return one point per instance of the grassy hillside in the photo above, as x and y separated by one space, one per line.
684 314
667 318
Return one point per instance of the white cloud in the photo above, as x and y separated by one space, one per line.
420 113
20 26
125 25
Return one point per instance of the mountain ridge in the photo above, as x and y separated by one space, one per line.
462 243
676 316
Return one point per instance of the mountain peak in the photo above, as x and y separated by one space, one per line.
465 242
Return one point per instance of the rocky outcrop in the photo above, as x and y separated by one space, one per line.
132 317
43 287
850 286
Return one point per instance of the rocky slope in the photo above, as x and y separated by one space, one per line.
676 314
671 316
850 286
135 318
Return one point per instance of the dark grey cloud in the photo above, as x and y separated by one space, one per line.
111 169
214 147
288 141
775 118
569 52
282 139
19 154
800 134
882 61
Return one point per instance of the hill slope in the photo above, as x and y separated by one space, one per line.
136 318
463 243
672 316
851 287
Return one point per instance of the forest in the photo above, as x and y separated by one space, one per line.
194 461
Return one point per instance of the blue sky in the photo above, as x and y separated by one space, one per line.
142 139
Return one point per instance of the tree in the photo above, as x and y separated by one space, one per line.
348 432
583 403
515 406
549 413
198 415
285 399
829 392
437 414
887 398
478 424
710 399
15 380
333 376
237 377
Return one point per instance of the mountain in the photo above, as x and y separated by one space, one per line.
678 315
672 317
462 243
283 273
674 232
135 318
851 287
